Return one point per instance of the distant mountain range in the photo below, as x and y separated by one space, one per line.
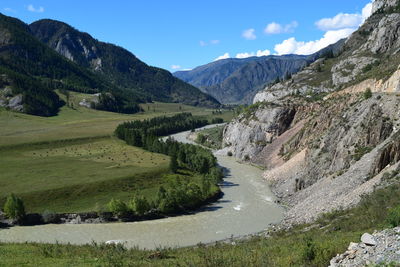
236 81
46 55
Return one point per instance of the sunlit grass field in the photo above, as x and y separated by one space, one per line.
79 175
72 162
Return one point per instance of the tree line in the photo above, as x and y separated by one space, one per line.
180 193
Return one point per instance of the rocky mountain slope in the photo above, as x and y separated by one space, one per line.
330 133
234 81
119 66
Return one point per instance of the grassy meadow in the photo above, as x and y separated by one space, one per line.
72 162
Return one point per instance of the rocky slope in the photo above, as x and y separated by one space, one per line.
322 137
234 81
379 248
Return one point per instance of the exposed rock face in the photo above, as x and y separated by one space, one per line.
246 137
380 248
383 4
385 36
346 70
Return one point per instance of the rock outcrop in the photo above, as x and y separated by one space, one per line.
379 248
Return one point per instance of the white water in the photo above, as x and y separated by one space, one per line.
247 207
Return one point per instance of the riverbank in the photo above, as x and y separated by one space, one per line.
33 219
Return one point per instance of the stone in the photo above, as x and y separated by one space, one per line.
114 242
368 239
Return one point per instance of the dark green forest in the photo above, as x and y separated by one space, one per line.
147 133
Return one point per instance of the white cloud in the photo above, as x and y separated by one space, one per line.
175 67
249 34
276 28
336 28
224 56
10 10
31 8
212 42
340 21
367 11
344 20
259 53
244 55
292 46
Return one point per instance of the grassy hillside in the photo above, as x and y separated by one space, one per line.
79 175
71 162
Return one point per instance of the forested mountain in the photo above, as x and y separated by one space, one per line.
238 80
30 71
117 65
30 68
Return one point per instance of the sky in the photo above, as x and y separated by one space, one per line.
183 34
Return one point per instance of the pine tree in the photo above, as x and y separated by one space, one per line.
173 164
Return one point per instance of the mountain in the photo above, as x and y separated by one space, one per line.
30 71
117 65
329 135
233 80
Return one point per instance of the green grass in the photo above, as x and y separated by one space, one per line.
71 162
212 137
78 175
330 235
80 122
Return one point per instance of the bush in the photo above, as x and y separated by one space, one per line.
309 250
139 205
14 208
394 216
367 93
217 120
118 207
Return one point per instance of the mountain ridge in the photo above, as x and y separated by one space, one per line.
236 80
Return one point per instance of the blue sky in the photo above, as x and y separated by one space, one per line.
183 34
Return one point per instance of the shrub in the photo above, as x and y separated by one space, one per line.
309 250
14 208
367 93
217 120
394 216
139 205
118 207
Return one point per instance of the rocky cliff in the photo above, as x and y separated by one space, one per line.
329 133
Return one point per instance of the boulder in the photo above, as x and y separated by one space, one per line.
368 239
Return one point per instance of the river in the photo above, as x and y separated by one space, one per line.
247 207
